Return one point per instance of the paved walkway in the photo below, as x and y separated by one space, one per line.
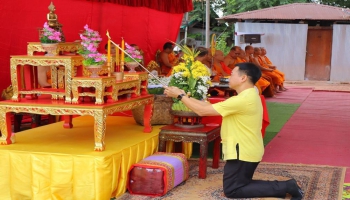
321 85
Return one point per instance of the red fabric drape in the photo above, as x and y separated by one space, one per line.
170 6
20 20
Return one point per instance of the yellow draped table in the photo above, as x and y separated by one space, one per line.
50 163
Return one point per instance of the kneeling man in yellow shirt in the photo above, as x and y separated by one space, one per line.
242 142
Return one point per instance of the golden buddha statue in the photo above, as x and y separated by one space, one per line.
53 22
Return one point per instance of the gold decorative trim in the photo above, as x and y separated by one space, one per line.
68 62
98 112
62 47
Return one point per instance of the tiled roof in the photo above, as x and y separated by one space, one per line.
295 11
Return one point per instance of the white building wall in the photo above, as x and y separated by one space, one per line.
340 63
285 45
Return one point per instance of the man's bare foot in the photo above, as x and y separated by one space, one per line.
284 89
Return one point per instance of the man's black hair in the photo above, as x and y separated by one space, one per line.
168 45
251 70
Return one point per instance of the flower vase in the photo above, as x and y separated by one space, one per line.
94 70
50 48
132 66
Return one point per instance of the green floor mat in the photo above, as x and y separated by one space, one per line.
279 114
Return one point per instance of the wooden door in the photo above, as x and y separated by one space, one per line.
318 54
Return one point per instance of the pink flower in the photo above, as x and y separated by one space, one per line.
90 43
46 25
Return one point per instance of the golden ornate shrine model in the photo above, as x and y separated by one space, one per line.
68 86
103 86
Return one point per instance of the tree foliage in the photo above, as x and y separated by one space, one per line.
339 3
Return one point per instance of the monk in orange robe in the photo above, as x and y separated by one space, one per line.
167 58
276 78
219 67
262 83
249 50
267 61
230 59
241 57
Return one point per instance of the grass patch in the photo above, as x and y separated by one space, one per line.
279 114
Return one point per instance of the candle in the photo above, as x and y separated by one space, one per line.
122 56
109 51
117 57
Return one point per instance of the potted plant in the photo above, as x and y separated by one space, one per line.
191 76
194 78
93 60
49 39
135 56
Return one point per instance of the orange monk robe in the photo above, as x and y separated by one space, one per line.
270 90
173 61
233 65
226 68
268 61
240 60
276 78
262 83
219 69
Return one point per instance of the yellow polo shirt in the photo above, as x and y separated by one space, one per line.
241 126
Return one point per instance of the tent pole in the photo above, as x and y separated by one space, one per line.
207 24
186 28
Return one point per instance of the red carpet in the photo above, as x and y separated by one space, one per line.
317 133
292 95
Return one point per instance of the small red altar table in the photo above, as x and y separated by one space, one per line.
201 135
30 64
140 76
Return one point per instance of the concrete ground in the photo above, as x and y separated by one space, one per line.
320 85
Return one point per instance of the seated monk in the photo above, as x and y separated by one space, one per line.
203 57
262 83
267 61
167 59
249 51
44 74
219 67
208 60
241 57
276 79
231 58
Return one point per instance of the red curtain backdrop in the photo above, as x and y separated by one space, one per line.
170 6
147 27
